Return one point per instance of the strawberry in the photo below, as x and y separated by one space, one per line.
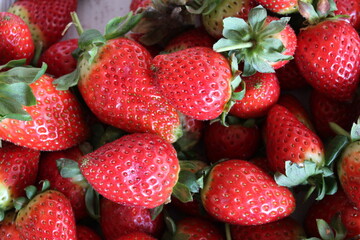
73 189
196 37
137 5
136 236
8 230
196 81
15 39
351 9
18 169
263 43
139 169
213 21
281 6
238 192
59 57
328 208
85 233
117 220
284 229
290 78
262 92
57 120
328 56
235 141
46 19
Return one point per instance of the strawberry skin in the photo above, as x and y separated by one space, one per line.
46 19
280 6
262 92
117 220
8 229
59 58
18 169
196 81
47 216
139 169
136 236
135 5
290 78
239 192
58 122
289 139
16 41
119 90
197 229
85 233
351 9
328 57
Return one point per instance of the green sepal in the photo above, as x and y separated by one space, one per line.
102 134
69 168
30 191
170 224
119 26
333 231
201 176
308 11
325 231
203 7
45 185
154 212
339 227
24 74
92 202
189 180
334 148
20 202
13 63
274 27
355 131
69 80
339 130
90 41
182 192
257 17
2 215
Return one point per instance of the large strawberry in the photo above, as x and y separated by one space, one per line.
18 169
15 39
239 192
46 19
139 169
327 54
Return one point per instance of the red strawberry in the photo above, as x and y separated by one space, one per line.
284 229
73 189
196 37
239 192
18 169
289 77
136 5
8 230
15 39
136 236
262 92
117 220
235 141
139 169
57 120
351 9
47 216
59 58
328 57
289 139
46 19
281 6
195 80
328 208
85 233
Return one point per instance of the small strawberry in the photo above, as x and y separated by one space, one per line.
284 229
290 78
235 141
239 192
15 39
18 169
59 57
351 9
136 236
196 81
139 169
262 92
117 220
8 230
86 233
46 19
327 54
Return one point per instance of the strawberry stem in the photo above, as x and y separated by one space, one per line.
76 22
227 231
236 46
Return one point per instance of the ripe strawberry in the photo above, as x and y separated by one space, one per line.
8 230
325 110
328 56
136 236
238 192
284 229
237 141
47 216
287 139
281 6
46 19
290 78
328 208
351 9
85 233
15 39
59 58
196 37
213 22
117 220
137 5
262 92
139 169
73 189
57 120
195 80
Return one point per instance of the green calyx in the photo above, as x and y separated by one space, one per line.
334 231
203 7
15 90
253 42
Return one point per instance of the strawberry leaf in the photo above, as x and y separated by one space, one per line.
325 230
119 26
334 149
2 215
92 202
355 131
22 74
68 80
30 191
154 212
257 17
13 63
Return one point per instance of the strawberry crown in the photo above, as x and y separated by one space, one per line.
253 42
15 91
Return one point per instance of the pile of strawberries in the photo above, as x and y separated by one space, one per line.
185 119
